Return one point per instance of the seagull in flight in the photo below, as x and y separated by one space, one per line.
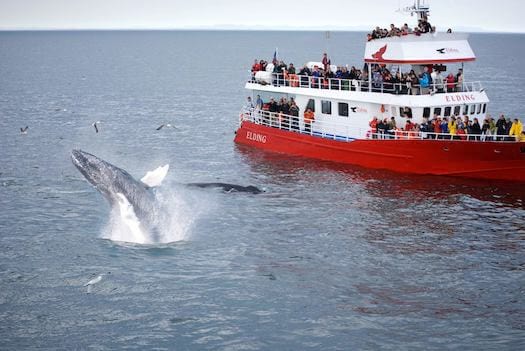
24 130
94 124
167 125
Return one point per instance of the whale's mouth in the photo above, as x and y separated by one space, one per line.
75 157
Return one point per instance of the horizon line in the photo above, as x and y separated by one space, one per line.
236 28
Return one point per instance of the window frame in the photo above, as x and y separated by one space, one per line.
342 104
325 103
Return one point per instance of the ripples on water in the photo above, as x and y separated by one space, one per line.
329 257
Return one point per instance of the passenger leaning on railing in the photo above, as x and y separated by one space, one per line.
256 67
451 83
501 127
373 125
516 129
452 127
294 112
425 81
309 118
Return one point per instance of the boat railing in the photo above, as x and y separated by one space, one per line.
313 82
348 132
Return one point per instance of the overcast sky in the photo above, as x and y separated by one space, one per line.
471 15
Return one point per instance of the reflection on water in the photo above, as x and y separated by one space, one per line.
438 248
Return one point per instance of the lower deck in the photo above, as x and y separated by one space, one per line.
488 159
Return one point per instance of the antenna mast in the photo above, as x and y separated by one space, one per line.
420 8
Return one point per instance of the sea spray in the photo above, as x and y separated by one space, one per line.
179 210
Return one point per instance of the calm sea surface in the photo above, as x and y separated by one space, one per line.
329 258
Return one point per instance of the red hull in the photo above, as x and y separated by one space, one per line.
470 159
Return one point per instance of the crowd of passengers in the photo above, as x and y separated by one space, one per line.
430 80
285 113
450 128
423 26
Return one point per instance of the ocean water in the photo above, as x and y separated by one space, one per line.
329 257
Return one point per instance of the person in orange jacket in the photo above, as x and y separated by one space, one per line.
309 118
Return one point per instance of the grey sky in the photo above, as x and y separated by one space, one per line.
471 15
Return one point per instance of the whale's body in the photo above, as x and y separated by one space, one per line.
227 187
139 207
134 199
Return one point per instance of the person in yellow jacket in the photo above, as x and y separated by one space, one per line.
452 127
516 129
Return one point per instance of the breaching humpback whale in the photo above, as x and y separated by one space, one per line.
132 197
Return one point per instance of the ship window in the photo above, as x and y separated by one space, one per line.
343 109
437 111
484 108
479 109
472 109
406 112
448 109
326 107
310 105
426 112
465 110
457 110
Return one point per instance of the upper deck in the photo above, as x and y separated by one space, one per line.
423 49
458 93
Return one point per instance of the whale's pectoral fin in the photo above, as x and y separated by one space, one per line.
155 177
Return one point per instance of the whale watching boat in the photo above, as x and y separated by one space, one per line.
402 112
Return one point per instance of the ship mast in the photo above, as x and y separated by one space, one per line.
420 8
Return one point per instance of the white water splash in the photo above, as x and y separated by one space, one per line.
180 209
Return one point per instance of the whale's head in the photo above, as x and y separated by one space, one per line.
105 177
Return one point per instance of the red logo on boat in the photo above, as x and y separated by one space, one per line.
378 56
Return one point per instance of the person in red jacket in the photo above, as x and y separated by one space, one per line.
256 67
451 82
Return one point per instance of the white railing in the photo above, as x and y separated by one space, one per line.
304 81
348 132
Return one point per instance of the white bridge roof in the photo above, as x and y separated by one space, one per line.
423 49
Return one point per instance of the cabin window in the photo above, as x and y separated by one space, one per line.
479 109
457 110
310 105
484 108
406 112
472 109
343 109
266 96
465 110
437 111
448 109
326 107
426 112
